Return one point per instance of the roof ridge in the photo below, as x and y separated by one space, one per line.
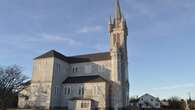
76 59
90 54
50 53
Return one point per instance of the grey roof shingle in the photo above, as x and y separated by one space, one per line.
84 79
81 98
78 58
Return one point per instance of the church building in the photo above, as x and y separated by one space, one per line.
97 81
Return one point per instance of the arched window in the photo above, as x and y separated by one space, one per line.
116 39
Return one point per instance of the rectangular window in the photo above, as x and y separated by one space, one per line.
81 91
65 90
88 68
57 67
75 69
56 90
84 105
69 90
101 68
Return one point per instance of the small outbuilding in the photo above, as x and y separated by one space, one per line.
148 101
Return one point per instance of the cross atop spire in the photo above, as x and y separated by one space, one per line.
118 14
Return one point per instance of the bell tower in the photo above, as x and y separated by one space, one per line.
119 59
118 41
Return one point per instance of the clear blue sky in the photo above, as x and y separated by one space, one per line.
161 41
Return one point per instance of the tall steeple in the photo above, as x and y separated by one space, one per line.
118 28
119 60
118 43
118 13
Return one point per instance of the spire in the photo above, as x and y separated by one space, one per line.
118 14
110 22
110 26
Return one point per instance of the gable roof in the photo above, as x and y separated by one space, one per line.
148 95
78 58
52 53
84 79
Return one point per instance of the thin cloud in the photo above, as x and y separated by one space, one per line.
58 38
87 29
156 10
187 85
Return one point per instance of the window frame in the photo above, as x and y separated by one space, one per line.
84 105
88 69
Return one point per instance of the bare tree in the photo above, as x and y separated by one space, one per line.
175 102
12 81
